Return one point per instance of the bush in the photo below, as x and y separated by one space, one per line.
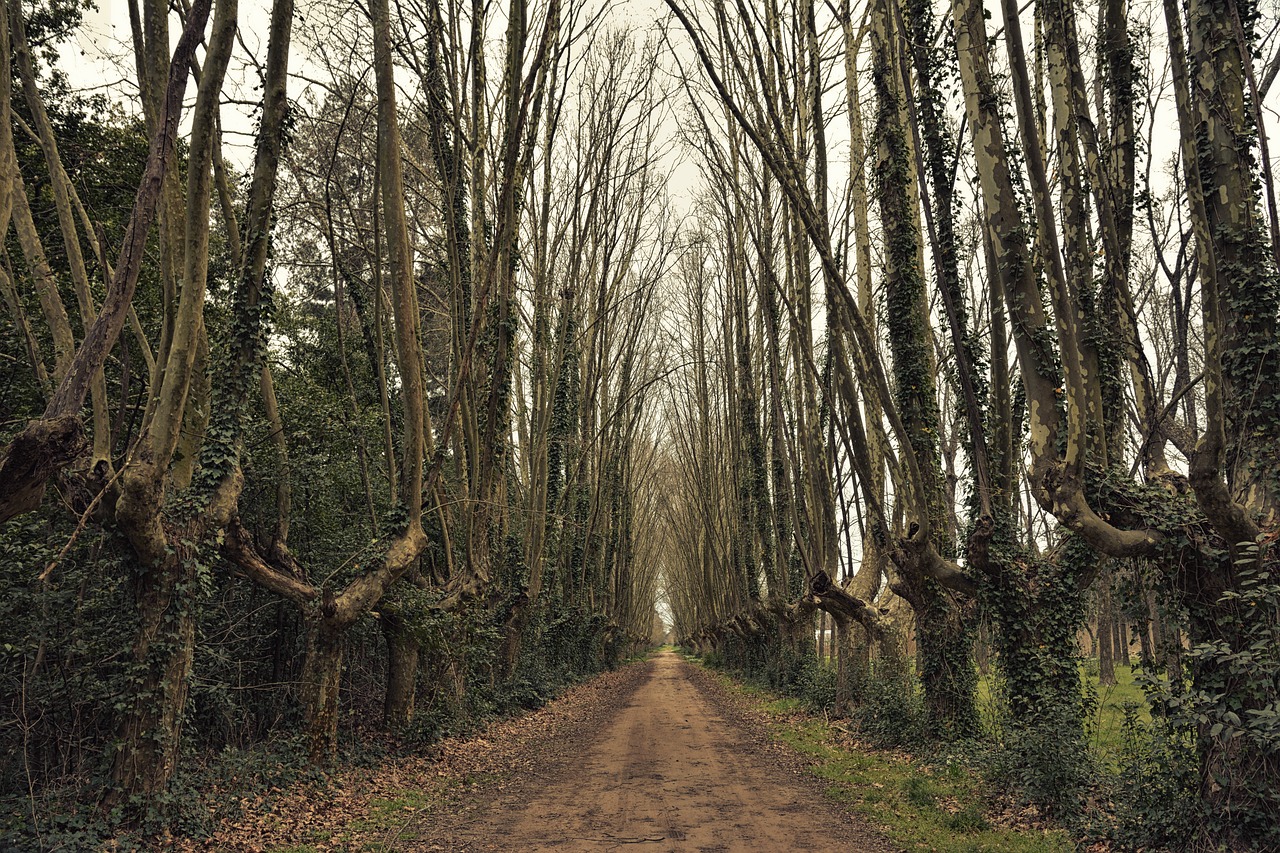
1044 762
816 686
1154 796
891 710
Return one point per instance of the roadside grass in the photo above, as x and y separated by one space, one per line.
391 819
938 806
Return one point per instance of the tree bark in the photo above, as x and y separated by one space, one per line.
403 648
44 448
149 734
1106 631
321 682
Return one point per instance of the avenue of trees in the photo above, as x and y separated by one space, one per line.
424 395
981 309
351 436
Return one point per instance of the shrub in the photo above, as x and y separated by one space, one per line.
816 686
1043 761
1153 798
891 711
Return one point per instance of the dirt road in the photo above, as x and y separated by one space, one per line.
666 768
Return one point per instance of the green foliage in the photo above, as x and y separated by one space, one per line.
49 24
1036 606
1231 710
1154 795
68 825
761 658
65 670
1043 761
816 685
891 711
61 667
1113 701
944 658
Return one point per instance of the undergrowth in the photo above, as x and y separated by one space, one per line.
879 755
215 787
922 800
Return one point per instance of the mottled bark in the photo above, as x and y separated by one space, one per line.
320 683
22 480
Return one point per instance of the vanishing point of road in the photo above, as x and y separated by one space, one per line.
667 767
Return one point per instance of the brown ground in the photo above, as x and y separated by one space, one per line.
662 763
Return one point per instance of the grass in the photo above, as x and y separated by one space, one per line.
935 807
391 819
1107 718
1110 713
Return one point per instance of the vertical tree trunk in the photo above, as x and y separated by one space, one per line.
1106 631
151 724
150 729
846 667
945 641
321 680
822 635
1146 650
403 649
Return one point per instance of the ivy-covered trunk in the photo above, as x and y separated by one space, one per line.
150 727
945 642
1233 603
1230 708
944 638
167 549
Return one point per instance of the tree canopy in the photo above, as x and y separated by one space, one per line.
889 342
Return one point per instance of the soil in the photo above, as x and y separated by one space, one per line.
666 761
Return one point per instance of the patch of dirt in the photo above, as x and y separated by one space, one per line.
670 762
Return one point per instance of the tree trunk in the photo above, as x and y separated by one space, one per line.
319 691
403 648
945 642
844 661
1146 652
944 657
150 730
1106 631
1156 626
982 648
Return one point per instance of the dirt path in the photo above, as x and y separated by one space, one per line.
667 768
